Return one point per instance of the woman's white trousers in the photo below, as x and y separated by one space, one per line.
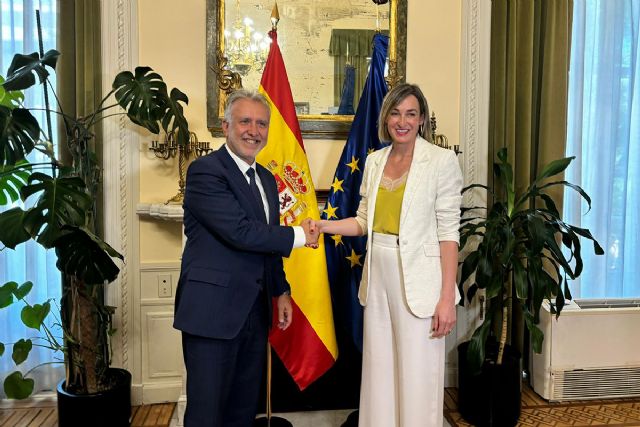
402 365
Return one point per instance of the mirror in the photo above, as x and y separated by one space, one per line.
317 39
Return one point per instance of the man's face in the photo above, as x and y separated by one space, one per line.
248 129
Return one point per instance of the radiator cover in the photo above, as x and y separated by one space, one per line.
592 351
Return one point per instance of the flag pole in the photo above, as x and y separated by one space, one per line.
269 420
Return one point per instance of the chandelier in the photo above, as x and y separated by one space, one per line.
246 49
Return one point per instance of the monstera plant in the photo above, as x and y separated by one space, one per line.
523 253
54 204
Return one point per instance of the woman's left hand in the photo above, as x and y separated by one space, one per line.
444 319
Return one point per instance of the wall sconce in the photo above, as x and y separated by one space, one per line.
439 139
169 148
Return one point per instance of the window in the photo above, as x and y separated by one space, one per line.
604 135
29 262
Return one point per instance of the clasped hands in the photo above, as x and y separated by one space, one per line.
311 232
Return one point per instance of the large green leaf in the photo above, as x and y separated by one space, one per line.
23 68
85 256
587 234
469 187
559 303
12 178
504 172
21 350
520 279
554 167
556 252
476 351
535 333
143 96
19 133
174 120
17 387
33 316
23 290
62 201
550 205
484 270
537 233
468 266
10 99
12 231
574 187
496 285
6 294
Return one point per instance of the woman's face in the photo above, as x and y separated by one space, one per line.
404 120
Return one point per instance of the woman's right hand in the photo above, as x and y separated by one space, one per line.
315 226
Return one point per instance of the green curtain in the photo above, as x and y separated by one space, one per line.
530 46
354 47
78 72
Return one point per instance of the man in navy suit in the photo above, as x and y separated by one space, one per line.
231 269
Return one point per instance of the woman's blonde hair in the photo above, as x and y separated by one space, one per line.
394 97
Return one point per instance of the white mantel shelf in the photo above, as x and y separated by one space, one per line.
170 212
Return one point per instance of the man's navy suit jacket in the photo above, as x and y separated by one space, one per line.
230 252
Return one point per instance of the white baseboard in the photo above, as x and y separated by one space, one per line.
162 392
40 400
147 394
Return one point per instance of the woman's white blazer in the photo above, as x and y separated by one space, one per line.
430 214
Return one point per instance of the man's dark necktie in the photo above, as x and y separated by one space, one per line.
251 173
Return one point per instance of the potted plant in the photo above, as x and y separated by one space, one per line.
525 254
62 200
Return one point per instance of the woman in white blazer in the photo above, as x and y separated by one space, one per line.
410 211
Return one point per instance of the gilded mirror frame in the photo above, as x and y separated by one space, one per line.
221 81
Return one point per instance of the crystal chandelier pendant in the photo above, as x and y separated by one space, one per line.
246 48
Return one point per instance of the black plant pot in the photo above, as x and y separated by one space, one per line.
493 397
110 408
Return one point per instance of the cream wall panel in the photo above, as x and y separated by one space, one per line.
160 241
162 352
172 42
159 343
323 157
433 59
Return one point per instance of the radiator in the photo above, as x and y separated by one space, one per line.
592 351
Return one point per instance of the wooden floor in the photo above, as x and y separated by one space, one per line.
158 415
537 412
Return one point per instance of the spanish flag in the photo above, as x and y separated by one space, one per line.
308 348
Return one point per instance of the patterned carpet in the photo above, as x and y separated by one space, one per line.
537 412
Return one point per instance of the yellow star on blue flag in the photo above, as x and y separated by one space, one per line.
330 211
337 184
354 258
354 164
337 239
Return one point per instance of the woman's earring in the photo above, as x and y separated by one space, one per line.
421 129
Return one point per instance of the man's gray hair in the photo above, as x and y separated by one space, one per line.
239 94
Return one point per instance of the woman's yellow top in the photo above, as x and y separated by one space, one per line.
388 205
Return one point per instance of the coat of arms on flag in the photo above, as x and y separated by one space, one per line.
291 186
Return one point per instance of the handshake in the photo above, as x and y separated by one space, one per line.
311 232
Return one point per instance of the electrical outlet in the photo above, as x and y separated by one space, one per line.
165 287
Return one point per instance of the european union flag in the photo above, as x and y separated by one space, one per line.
345 255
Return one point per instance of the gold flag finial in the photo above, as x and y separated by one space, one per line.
275 17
